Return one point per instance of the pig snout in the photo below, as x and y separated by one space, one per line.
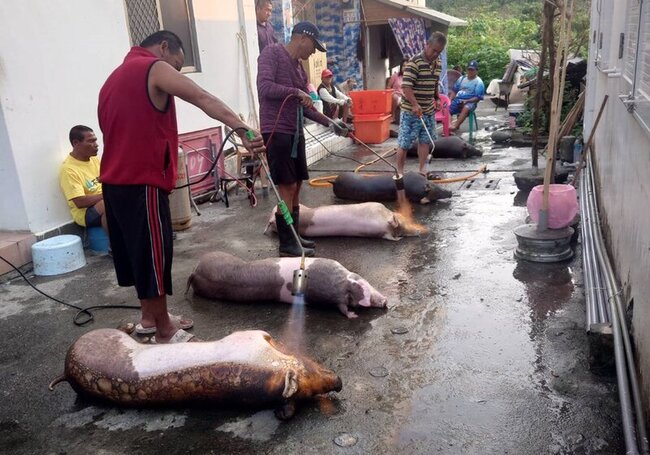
437 192
371 297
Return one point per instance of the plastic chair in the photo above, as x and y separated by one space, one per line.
473 124
443 116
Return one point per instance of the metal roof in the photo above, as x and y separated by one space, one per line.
426 13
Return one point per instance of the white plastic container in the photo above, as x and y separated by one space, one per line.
57 255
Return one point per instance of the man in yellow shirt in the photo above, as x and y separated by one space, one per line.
79 179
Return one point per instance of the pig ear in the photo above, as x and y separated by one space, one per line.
290 384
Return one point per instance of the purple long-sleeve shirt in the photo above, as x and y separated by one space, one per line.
265 35
278 76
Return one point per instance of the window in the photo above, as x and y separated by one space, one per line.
636 71
148 16
602 37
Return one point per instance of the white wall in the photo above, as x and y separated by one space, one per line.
622 159
54 58
223 71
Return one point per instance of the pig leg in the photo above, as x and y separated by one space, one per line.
286 411
343 308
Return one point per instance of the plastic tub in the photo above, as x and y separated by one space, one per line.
366 102
57 255
372 129
562 204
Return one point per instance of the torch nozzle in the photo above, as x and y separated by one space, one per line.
399 181
299 282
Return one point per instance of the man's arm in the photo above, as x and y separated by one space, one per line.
87 201
328 98
342 97
73 189
169 81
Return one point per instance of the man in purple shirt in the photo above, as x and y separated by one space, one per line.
282 89
265 35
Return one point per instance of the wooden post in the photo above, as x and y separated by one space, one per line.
559 76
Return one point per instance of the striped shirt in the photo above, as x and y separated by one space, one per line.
422 77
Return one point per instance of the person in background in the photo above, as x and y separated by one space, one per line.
420 88
282 86
78 178
137 116
395 82
336 104
348 85
465 95
265 34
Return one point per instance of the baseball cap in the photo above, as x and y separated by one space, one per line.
309 29
473 65
326 73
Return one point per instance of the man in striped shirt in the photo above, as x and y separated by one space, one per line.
420 100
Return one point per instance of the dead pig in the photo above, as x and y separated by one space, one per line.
222 276
245 367
359 187
368 219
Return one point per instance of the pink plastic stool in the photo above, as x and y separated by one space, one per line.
443 115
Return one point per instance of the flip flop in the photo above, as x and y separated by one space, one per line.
181 336
434 176
184 324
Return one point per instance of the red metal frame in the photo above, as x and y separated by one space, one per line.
200 148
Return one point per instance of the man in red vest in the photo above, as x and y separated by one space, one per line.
137 116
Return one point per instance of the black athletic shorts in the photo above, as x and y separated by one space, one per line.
284 169
92 217
140 231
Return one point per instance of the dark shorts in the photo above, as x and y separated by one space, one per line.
284 169
140 231
92 218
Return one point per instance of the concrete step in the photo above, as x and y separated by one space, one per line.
15 247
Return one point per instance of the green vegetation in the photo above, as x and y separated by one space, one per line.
494 26
487 39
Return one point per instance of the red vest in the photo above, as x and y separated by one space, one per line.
140 142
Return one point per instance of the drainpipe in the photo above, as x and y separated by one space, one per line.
631 407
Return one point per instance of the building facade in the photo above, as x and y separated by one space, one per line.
619 66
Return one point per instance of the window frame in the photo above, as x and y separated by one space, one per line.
632 83
191 22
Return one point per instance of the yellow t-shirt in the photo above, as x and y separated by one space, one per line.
79 178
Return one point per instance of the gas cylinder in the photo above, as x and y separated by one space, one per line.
179 200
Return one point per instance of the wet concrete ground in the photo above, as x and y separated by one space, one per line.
494 359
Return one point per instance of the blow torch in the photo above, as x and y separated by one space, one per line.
299 276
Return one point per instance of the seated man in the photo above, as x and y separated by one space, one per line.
78 178
335 103
467 92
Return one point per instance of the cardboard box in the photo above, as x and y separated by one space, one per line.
314 66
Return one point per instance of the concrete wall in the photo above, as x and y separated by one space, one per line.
376 66
622 158
55 56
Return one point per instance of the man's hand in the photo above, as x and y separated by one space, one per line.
437 105
339 128
305 99
417 110
253 141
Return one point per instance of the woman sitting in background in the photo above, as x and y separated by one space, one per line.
395 82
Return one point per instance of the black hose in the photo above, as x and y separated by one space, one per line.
216 159
85 311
